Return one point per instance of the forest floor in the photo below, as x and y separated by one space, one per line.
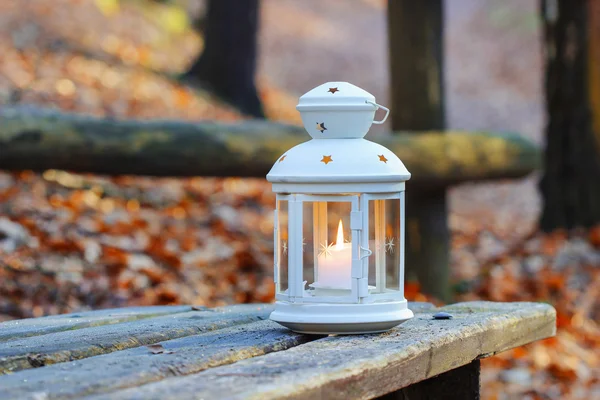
70 241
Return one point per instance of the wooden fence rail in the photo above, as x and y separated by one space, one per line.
36 139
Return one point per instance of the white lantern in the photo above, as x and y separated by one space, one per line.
339 221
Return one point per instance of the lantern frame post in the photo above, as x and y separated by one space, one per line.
402 241
319 231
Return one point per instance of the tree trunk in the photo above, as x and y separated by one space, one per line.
227 66
594 66
570 185
416 64
417 91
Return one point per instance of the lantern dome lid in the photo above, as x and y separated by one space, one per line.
344 161
336 96
337 115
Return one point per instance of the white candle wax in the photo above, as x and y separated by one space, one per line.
335 268
335 264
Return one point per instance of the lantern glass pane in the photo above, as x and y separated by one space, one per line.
384 237
282 246
308 248
392 240
373 245
327 249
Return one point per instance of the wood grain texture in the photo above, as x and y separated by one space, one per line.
233 353
137 366
38 351
365 366
22 328
140 365
37 139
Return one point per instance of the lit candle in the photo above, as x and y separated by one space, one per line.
335 264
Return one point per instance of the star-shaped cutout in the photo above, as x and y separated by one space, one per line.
326 159
282 158
389 245
333 90
382 158
321 127
325 250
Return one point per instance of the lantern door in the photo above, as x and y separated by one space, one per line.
383 235
322 249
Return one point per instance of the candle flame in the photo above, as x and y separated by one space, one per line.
339 242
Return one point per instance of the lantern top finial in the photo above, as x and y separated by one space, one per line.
336 96
338 110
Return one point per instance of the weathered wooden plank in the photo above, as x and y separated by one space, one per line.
365 366
22 328
137 366
134 367
64 346
37 139
420 306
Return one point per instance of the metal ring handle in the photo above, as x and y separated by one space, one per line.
387 112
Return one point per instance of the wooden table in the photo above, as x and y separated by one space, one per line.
183 352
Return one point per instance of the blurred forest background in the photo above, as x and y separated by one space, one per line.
73 241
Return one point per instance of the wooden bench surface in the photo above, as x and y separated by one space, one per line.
185 352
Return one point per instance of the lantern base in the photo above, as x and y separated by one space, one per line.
342 319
